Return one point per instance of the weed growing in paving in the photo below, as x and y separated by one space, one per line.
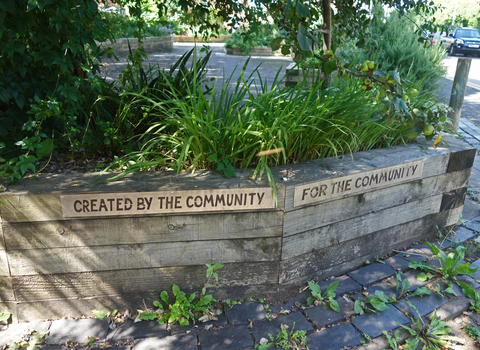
471 293
185 308
28 340
373 304
472 332
286 340
326 299
449 264
430 336
433 335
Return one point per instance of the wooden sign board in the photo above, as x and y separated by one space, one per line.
184 201
356 183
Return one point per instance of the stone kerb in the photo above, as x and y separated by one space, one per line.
150 44
191 39
68 249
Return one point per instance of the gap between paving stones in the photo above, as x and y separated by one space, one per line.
244 325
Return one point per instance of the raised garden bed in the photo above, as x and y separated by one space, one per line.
67 249
254 51
191 39
150 44
296 75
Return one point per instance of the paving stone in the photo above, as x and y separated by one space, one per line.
226 339
334 338
173 342
462 234
452 309
178 328
411 276
388 287
261 329
424 305
373 324
345 285
16 329
244 312
138 330
397 262
473 265
324 317
371 274
473 224
419 252
290 305
77 330
56 347
469 280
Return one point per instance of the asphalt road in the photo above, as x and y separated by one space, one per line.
471 103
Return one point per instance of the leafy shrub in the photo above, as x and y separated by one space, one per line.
246 39
399 48
126 27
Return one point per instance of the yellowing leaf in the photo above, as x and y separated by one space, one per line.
437 141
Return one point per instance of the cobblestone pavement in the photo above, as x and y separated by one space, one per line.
244 325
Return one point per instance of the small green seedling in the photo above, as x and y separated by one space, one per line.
28 340
101 314
326 299
210 272
90 342
286 340
393 341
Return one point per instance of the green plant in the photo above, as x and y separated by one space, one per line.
448 289
449 263
28 340
210 272
433 335
471 293
90 342
372 304
325 299
102 314
393 341
473 332
286 340
184 307
5 317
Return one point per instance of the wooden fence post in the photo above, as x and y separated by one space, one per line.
458 91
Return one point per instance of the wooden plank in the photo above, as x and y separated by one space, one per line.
30 207
6 289
371 180
307 218
351 254
433 166
150 229
131 256
163 202
4 270
141 281
343 231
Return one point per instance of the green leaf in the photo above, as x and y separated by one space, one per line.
285 50
158 304
304 42
217 266
422 291
331 288
309 301
378 304
176 290
99 314
414 264
148 316
433 248
302 10
464 269
357 307
32 4
164 297
334 305
4 316
381 295
423 277
46 147
329 67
